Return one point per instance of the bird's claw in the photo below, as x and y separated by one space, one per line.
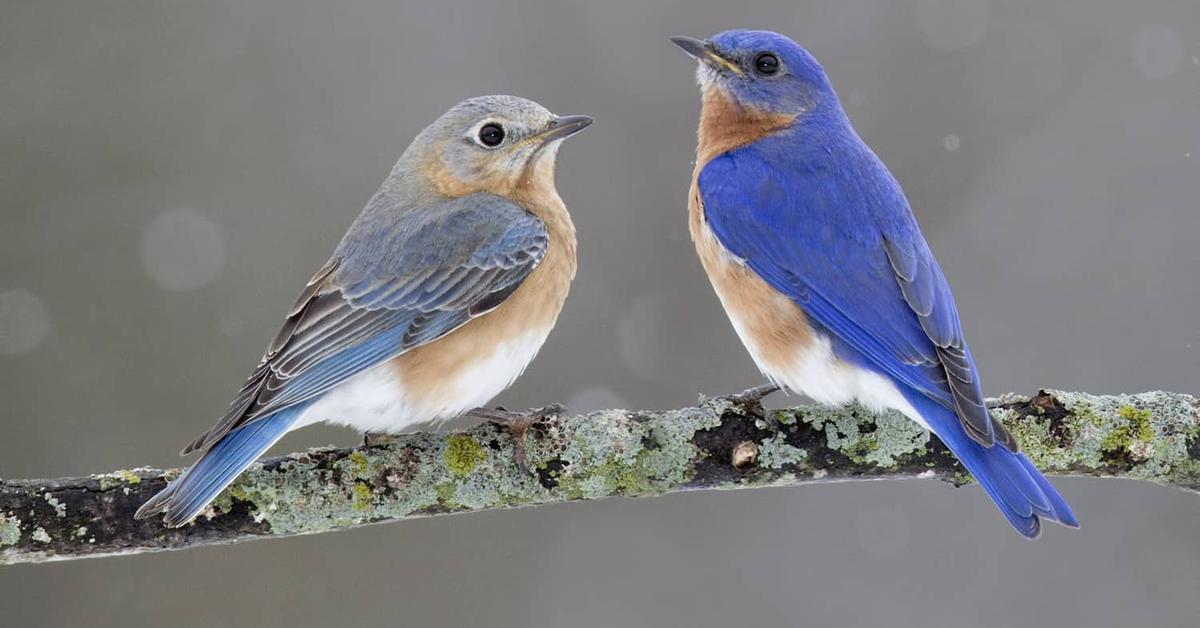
375 439
517 424
752 395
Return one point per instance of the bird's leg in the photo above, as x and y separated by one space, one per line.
375 439
753 395
517 424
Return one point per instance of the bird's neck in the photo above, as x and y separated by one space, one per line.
726 125
532 187
536 191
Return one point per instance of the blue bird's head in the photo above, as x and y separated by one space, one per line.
761 71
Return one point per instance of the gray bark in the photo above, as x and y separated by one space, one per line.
725 442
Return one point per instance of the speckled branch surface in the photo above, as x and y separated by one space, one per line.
724 442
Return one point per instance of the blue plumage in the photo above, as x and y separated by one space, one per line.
419 263
826 257
1019 490
813 211
337 368
184 498
367 313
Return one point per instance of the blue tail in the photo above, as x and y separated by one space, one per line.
187 496
1021 492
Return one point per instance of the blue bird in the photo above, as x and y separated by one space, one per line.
436 299
815 255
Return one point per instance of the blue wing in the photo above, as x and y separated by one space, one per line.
831 229
399 279
187 495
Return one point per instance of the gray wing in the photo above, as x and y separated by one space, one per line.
398 280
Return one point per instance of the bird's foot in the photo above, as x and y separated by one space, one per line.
753 395
518 424
376 439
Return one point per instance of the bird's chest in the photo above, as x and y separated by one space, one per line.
771 326
776 331
462 370
469 366
410 390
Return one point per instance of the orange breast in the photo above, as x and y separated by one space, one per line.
773 328
430 373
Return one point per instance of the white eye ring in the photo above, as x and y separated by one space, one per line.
490 134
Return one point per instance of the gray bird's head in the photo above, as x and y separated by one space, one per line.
495 144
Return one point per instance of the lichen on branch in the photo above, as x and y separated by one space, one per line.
723 442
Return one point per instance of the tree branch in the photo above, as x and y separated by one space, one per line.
726 442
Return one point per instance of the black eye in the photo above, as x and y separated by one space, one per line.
491 135
766 64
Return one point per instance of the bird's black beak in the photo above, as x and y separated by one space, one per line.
563 127
704 52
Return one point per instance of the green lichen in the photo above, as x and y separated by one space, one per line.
121 477
615 476
1036 439
224 501
1133 436
40 535
842 433
479 490
784 417
609 453
10 530
606 453
463 454
129 476
615 452
445 493
413 474
893 436
360 465
60 509
363 496
1150 433
776 453
237 492
80 532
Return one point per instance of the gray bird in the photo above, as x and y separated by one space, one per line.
436 299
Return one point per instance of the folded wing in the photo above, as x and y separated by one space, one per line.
398 281
844 246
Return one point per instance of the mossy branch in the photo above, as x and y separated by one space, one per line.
726 442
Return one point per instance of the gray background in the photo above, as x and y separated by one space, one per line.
170 174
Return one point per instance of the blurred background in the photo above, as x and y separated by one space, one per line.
171 173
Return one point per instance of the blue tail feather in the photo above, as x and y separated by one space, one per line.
188 495
1019 490
1058 505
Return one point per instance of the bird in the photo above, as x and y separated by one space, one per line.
816 257
438 296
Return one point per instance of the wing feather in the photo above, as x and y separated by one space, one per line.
400 279
842 243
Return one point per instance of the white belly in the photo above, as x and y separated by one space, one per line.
377 401
767 323
817 373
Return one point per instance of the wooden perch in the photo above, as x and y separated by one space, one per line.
726 442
